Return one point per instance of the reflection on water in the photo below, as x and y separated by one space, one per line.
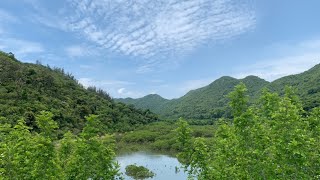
165 167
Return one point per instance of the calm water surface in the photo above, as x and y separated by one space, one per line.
162 165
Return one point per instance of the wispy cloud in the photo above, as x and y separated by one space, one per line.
279 67
75 51
102 83
298 58
21 48
123 92
157 28
116 88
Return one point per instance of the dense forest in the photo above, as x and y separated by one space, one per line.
27 89
211 102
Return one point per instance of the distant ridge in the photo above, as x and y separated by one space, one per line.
211 102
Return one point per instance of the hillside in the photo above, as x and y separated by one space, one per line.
26 89
202 103
151 101
211 101
306 85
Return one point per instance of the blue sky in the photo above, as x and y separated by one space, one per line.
134 48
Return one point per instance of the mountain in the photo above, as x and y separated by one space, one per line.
211 101
151 101
202 103
26 89
306 85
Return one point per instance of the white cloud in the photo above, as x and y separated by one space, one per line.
296 59
121 90
21 48
76 51
46 16
275 68
116 88
102 83
83 50
157 29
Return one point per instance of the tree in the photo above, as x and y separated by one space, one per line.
93 155
184 139
274 139
238 100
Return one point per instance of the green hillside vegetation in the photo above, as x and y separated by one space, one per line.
306 85
273 139
27 89
157 137
151 101
210 102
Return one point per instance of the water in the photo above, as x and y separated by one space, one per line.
162 165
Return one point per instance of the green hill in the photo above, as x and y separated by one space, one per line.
151 101
211 101
26 89
306 85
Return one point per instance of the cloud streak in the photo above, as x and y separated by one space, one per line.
298 58
86 82
279 67
21 48
157 28
75 51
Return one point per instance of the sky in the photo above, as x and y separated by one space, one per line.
133 48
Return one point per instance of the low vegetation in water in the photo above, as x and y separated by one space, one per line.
138 172
157 137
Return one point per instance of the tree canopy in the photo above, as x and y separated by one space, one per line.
272 139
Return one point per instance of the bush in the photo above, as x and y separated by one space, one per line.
138 172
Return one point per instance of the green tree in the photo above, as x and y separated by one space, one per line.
93 155
275 139
46 164
184 139
238 100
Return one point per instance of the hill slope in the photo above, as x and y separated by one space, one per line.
151 101
306 85
211 101
26 89
202 103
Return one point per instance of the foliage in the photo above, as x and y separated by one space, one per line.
159 137
38 155
27 89
138 172
273 139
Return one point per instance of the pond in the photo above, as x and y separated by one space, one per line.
163 166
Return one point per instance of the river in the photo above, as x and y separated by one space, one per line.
163 166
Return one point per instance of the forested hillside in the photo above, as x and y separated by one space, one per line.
306 85
153 102
211 102
26 89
